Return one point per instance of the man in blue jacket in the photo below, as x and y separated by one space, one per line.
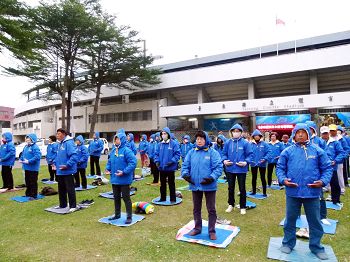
341 132
30 160
261 151
202 168
7 160
236 156
285 141
130 143
143 146
66 166
314 137
152 145
51 153
185 146
276 148
167 156
83 157
304 169
121 166
95 150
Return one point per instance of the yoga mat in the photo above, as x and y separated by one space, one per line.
183 188
24 199
88 188
302 223
179 178
276 187
330 205
49 182
64 211
248 204
121 221
224 234
257 196
222 181
301 252
109 194
5 190
167 202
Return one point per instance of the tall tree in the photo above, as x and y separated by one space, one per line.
115 59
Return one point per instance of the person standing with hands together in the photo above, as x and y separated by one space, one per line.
304 169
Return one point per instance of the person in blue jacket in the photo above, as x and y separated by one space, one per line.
237 154
152 145
7 160
167 156
143 146
83 157
185 146
304 169
130 143
202 168
51 154
286 141
315 139
261 151
95 149
66 166
219 146
121 166
276 148
341 132
30 160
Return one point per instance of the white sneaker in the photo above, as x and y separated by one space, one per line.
243 211
229 209
325 222
73 209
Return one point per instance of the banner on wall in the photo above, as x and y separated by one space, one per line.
224 124
283 120
345 118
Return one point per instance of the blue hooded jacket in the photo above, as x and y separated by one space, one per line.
275 151
31 153
335 152
219 148
237 150
131 144
314 138
152 147
96 146
343 141
304 164
261 151
83 154
202 163
143 145
185 147
7 151
51 152
167 153
124 160
66 156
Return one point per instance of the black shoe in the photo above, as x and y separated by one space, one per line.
114 217
172 201
128 221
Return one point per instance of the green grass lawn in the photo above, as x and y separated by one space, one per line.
28 233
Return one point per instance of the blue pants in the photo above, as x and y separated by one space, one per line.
197 197
312 212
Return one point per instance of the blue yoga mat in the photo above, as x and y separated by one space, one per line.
330 205
179 178
257 196
24 199
88 187
121 221
276 187
302 223
183 188
167 202
109 194
221 234
49 182
91 176
301 251
222 181
248 204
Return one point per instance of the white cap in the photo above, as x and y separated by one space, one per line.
324 129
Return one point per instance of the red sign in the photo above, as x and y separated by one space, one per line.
275 127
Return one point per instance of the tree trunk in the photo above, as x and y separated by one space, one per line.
94 113
69 102
64 103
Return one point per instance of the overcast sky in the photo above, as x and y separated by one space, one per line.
182 29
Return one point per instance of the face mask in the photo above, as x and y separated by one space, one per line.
185 141
236 134
165 137
151 139
338 132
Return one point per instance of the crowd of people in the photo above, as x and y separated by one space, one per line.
306 164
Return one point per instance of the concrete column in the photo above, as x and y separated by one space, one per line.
200 93
313 83
252 119
251 89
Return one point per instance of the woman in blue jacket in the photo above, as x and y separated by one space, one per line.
130 143
260 156
7 160
304 169
95 149
201 168
121 166
185 146
276 148
236 156
219 146
152 145
167 156
83 157
143 150
30 160
51 155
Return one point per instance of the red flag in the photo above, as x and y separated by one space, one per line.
280 21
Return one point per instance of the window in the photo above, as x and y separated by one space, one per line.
147 115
